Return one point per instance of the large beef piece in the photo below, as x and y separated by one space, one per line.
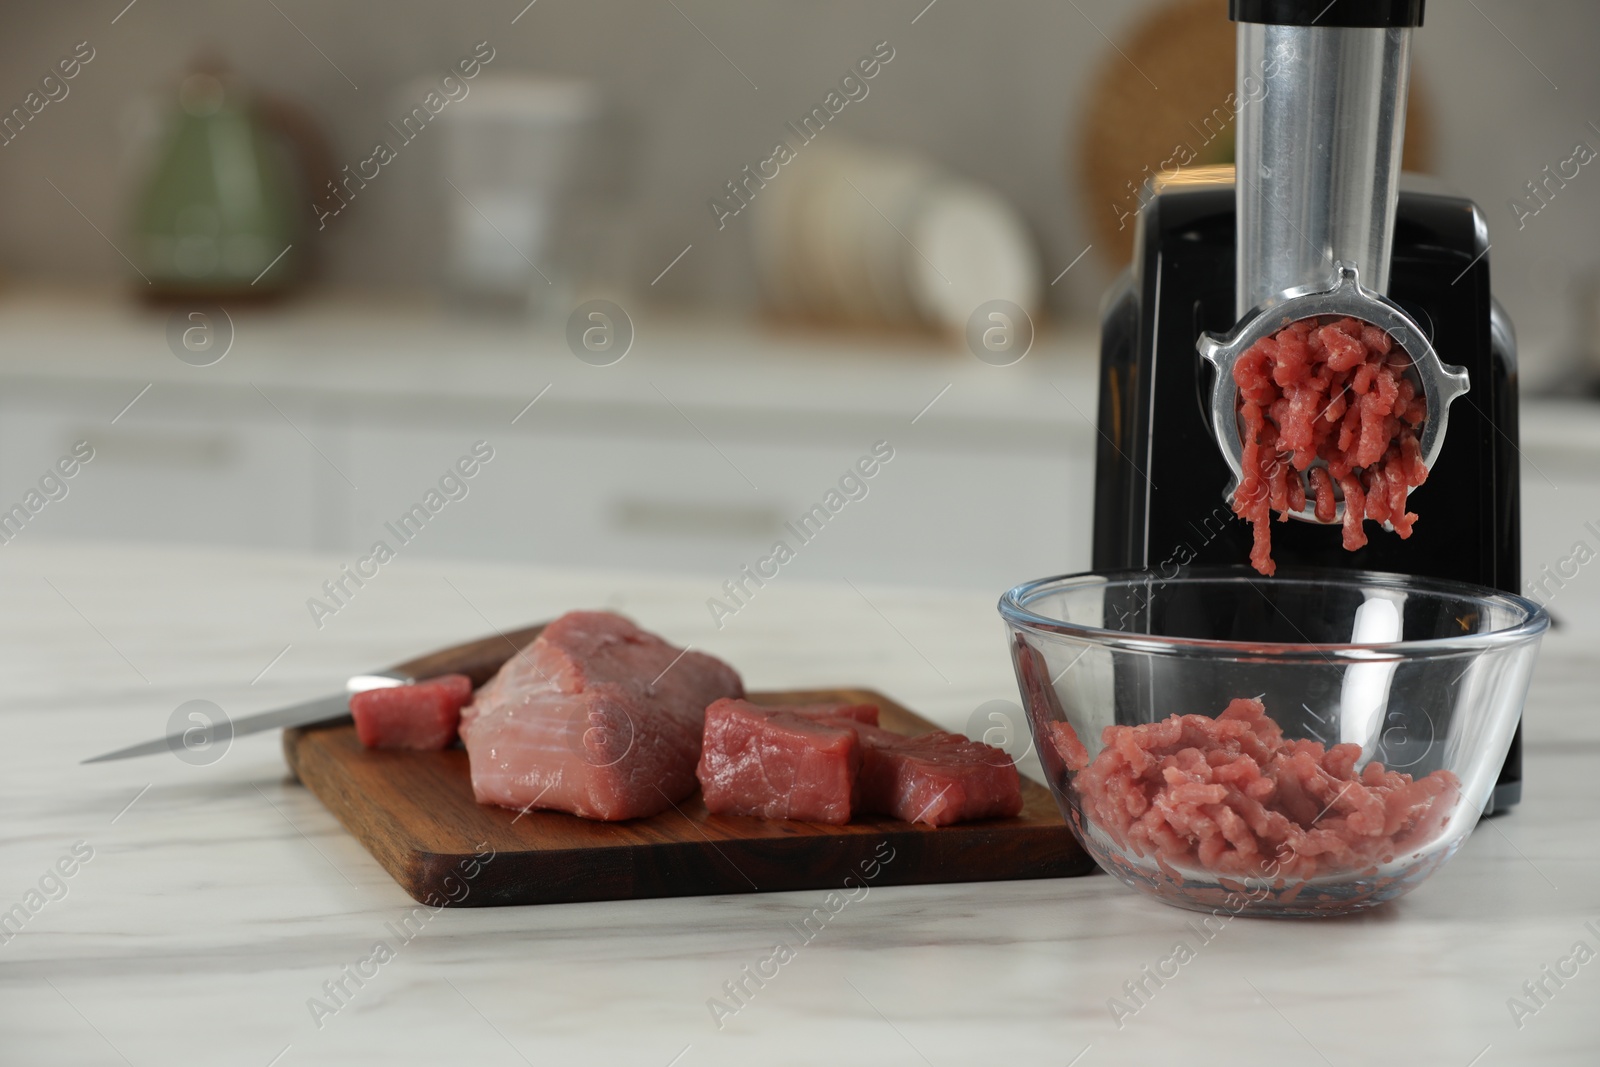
596 717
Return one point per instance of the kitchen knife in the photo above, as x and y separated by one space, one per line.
328 707
478 660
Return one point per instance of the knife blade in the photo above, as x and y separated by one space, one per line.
303 714
478 660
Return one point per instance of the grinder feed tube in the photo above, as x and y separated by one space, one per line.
1337 393
1319 156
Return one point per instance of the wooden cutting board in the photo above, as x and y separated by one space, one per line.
415 813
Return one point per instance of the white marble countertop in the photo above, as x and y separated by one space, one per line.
219 899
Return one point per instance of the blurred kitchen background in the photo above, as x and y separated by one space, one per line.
282 263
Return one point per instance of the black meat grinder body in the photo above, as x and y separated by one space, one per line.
1160 479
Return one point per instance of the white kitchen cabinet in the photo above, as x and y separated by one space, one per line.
554 498
673 501
1561 527
181 465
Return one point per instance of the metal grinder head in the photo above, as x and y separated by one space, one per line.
1318 147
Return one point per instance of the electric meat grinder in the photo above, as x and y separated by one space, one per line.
1314 219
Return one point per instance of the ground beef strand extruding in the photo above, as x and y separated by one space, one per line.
1232 796
1332 390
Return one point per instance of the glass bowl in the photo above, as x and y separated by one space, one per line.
1342 730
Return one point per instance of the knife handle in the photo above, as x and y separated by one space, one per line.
478 660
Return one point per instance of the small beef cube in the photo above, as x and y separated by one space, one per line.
936 778
459 685
776 763
423 715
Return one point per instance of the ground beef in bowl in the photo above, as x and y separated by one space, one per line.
1231 796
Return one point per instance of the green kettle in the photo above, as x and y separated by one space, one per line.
222 215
